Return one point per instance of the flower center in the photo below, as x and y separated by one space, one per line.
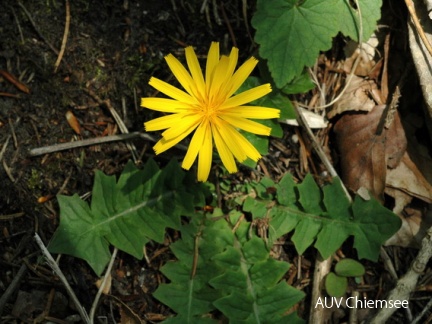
209 109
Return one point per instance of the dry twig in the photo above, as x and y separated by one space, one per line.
65 36
88 142
54 266
419 28
406 285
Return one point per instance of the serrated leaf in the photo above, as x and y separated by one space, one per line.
183 319
373 224
299 84
336 286
74 235
371 13
326 216
305 233
264 299
286 193
310 195
292 33
256 207
189 293
349 268
189 301
332 236
126 213
335 199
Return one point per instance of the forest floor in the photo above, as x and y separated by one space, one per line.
112 49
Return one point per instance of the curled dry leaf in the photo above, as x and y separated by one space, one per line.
407 178
365 156
73 122
367 54
414 228
403 183
357 97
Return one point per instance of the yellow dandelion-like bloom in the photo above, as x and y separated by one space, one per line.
208 106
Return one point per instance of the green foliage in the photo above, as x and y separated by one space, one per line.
336 283
300 84
127 213
293 32
219 269
324 216
189 293
349 268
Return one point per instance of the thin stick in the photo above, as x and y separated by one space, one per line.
102 286
12 287
18 25
35 28
65 36
15 140
406 285
418 26
54 266
88 142
3 149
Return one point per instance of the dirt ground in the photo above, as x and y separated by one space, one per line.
112 49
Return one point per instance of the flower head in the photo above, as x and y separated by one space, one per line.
208 107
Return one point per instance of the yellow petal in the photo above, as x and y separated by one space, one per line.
194 146
254 112
212 61
240 76
172 91
205 156
163 122
185 124
165 105
165 144
225 131
241 144
247 125
217 80
247 96
233 57
181 74
224 152
195 69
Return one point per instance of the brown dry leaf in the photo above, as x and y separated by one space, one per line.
407 178
366 63
356 97
365 156
413 230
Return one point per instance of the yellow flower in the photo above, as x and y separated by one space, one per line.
209 107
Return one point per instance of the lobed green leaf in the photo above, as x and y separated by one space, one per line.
251 295
126 213
324 217
291 33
